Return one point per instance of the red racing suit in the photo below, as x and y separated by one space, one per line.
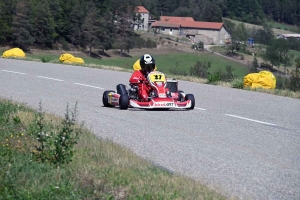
144 88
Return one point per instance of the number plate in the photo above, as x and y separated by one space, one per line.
157 77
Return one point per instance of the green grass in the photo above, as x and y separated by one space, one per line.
287 27
277 31
166 62
295 53
100 169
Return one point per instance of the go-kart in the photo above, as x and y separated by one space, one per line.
159 97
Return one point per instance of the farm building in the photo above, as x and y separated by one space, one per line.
196 31
142 21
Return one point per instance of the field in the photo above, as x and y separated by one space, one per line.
277 27
166 59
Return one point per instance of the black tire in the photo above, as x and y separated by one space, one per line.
192 98
105 98
123 101
180 98
121 89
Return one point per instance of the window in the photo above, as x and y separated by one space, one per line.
162 29
171 30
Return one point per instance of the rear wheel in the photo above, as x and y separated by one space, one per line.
105 98
180 95
121 89
192 98
123 101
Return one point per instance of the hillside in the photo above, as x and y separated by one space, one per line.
276 30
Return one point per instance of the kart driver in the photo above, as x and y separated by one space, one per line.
139 77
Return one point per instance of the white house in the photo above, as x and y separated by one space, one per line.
142 18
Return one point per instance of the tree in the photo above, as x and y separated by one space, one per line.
43 24
91 28
7 9
21 26
182 12
240 33
76 16
277 53
211 13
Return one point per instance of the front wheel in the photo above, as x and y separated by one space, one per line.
192 98
123 101
105 98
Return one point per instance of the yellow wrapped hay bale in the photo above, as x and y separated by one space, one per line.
14 52
69 58
263 79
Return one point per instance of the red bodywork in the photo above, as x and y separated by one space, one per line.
156 81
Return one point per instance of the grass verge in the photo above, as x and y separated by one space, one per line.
99 169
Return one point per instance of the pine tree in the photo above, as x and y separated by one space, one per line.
7 8
21 26
43 23
76 15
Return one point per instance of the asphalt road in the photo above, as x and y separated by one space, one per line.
245 144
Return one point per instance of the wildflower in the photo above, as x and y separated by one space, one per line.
22 134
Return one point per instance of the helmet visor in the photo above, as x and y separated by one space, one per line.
148 67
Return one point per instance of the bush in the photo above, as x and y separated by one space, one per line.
55 144
282 82
229 75
65 45
215 77
150 43
295 80
237 83
45 59
254 66
200 69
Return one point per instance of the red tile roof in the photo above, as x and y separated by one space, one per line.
185 22
165 24
141 9
204 25
176 19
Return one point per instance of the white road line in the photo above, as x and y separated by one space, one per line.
88 85
199 108
54 79
253 120
13 72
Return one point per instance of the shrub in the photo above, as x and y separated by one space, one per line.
237 83
45 59
55 144
295 80
229 75
150 43
200 69
65 45
282 82
215 77
254 66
